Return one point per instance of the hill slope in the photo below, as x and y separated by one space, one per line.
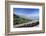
19 20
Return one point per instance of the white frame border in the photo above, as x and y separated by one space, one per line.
25 29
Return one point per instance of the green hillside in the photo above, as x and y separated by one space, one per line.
19 20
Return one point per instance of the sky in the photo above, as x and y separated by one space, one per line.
27 12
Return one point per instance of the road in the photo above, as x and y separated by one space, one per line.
28 24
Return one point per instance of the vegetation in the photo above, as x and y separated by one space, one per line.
19 20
